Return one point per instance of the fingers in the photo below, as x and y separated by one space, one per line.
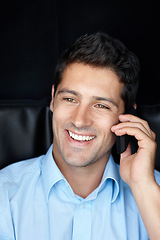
126 153
134 126
140 121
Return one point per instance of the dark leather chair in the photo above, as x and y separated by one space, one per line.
26 129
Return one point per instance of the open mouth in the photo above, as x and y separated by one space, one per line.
80 137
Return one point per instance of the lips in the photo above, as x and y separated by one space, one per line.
78 137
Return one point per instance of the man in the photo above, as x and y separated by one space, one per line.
77 191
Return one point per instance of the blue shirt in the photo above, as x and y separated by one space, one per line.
36 202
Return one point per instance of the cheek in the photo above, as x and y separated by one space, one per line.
57 120
108 122
105 128
61 117
61 111
59 114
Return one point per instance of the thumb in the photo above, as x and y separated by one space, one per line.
126 153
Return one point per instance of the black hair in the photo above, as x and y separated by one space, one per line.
104 51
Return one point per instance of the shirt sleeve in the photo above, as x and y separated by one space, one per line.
157 176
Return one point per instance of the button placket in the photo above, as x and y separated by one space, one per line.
82 221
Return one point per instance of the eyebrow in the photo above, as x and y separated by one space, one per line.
94 97
69 91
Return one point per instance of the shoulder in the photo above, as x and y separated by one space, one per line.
16 171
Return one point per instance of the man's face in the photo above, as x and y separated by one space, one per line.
86 105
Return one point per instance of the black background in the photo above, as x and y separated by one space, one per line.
34 33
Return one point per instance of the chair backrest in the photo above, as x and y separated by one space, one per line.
25 130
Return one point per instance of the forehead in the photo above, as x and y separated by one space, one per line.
91 80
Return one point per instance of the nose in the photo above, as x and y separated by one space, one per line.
82 116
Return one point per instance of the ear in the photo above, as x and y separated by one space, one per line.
135 106
52 100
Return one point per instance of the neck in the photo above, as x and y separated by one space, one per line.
83 180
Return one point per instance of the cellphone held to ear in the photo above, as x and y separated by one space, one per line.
123 141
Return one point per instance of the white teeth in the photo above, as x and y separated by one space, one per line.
80 137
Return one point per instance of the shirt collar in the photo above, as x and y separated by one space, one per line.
112 172
51 174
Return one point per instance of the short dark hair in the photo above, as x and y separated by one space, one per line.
104 51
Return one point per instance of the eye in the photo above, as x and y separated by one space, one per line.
101 106
71 100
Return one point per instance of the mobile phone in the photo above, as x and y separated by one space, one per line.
123 141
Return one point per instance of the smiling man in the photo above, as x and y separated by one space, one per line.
82 134
77 191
